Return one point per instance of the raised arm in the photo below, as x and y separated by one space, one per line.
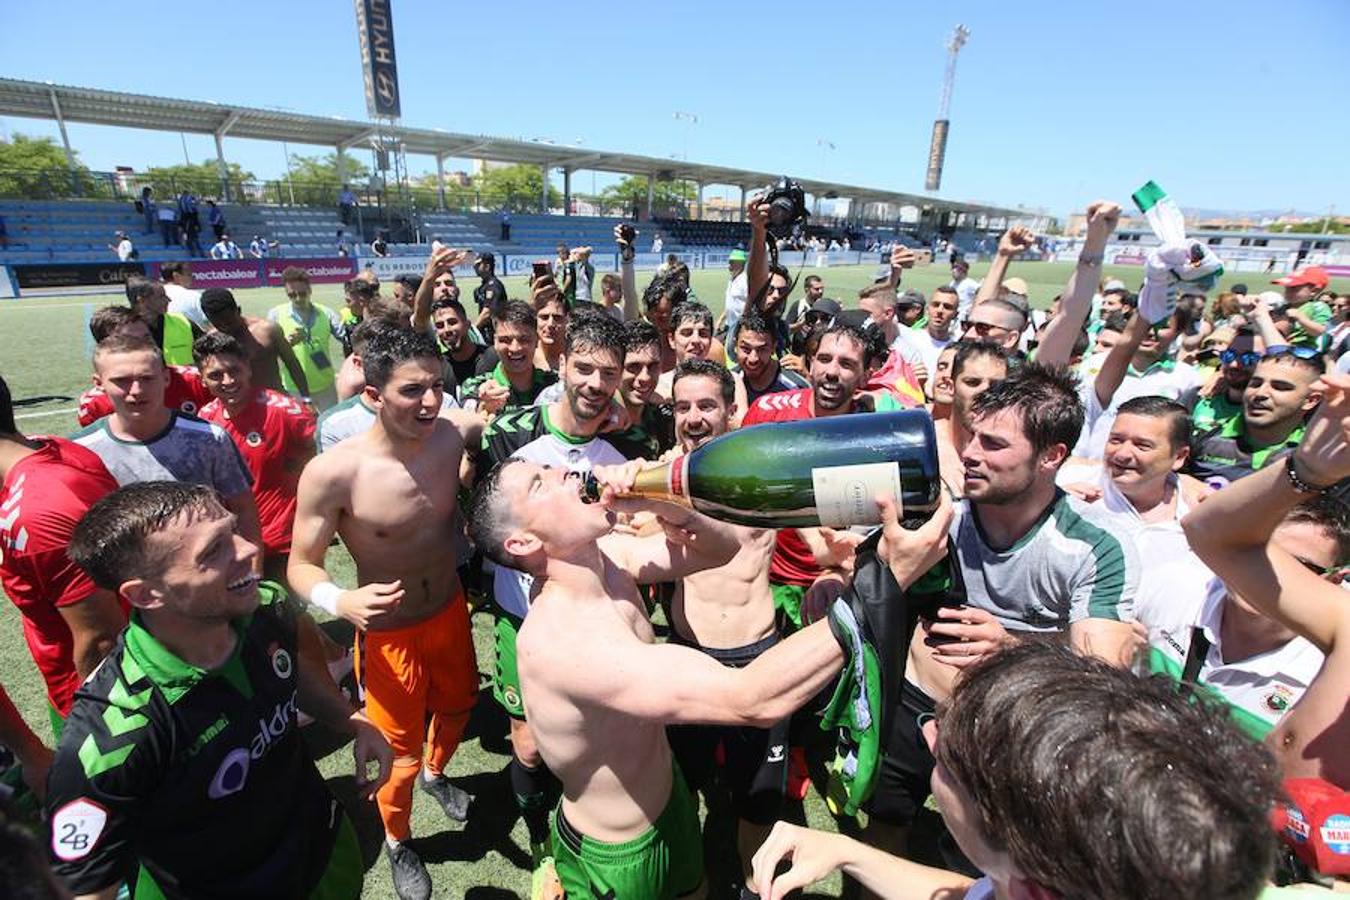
1014 241
1117 363
443 260
627 276
1231 532
1265 325
757 267
901 258
1076 302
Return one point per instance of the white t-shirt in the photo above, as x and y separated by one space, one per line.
1264 686
738 291
1174 380
1168 570
125 249
929 347
907 348
966 289
187 302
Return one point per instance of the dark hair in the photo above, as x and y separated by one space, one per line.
693 367
387 350
515 312
171 268
295 273
109 542
367 329
7 423
855 334
1316 364
691 311
638 334
109 319
218 300
998 303
411 282
811 279
216 343
753 320
1330 514
1116 321
589 331
139 289
875 350
946 289
489 518
450 303
1179 425
1046 399
1129 300
968 350
25 873
126 343
1098 783
1080 345
609 279
664 286
361 287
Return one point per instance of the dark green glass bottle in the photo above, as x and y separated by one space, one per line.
806 473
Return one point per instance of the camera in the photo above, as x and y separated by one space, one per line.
787 206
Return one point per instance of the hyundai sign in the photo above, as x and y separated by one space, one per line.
375 28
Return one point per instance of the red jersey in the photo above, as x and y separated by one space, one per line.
275 435
44 495
185 393
793 562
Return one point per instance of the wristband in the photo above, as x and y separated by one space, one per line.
1297 482
325 596
1091 259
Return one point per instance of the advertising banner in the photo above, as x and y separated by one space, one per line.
389 267
375 29
55 275
322 270
225 273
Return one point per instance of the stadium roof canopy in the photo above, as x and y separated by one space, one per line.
43 100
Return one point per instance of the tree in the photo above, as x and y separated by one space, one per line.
515 188
324 169
35 168
632 191
201 178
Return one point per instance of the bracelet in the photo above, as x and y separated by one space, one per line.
1297 482
1096 259
325 596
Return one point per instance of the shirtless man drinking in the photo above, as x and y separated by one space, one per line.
728 614
600 691
390 493
261 339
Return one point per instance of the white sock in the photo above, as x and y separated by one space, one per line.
393 844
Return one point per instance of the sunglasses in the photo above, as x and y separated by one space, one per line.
981 328
818 318
1247 358
1296 352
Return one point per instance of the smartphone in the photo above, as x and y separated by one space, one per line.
541 269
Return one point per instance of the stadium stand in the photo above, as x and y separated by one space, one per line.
538 234
691 233
43 231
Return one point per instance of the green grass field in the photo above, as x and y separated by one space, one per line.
44 358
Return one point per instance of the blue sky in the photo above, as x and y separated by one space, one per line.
1233 105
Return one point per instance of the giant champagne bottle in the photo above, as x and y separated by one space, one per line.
806 473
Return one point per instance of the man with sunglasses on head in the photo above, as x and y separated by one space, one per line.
1137 366
1236 363
1279 396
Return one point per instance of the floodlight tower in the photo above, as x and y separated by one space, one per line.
937 150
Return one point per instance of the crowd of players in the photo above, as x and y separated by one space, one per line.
1128 506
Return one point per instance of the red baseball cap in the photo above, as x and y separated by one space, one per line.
1313 275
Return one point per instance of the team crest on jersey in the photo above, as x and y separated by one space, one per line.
281 661
511 696
76 828
1279 699
1336 834
253 439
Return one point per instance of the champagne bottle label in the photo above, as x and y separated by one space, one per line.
846 495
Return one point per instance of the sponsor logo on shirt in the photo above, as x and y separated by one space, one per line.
232 774
1279 698
1336 834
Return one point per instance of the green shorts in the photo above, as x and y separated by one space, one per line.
787 602
506 682
664 862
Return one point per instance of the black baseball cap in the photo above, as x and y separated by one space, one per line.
486 257
826 305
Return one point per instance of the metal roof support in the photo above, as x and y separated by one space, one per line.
567 191
221 167
651 193
65 139
341 163
543 191
742 218
440 180
700 200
